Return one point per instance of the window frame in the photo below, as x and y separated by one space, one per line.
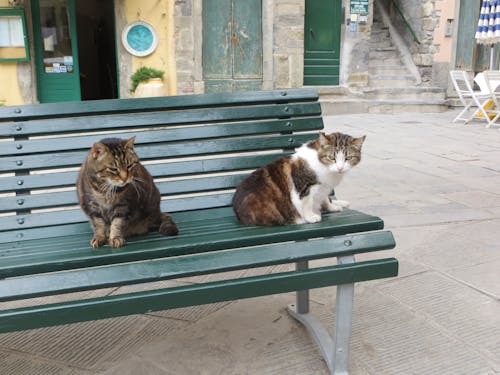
17 12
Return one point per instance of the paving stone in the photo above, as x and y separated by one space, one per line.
459 311
483 276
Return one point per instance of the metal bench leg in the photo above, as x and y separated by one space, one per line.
343 323
302 295
335 351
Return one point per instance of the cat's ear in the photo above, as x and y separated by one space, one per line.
130 143
98 150
358 142
323 139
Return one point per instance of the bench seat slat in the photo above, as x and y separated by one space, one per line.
146 136
146 119
169 169
45 255
196 294
24 112
164 151
75 215
69 198
191 265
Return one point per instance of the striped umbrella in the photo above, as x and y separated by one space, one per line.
488 27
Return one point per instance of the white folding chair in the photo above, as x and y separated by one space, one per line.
492 78
470 99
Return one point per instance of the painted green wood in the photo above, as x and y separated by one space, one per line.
192 265
232 45
216 46
69 198
472 57
170 169
56 87
48 255
146 120
322 26
167 150
197 294
107 106
23 147
246 39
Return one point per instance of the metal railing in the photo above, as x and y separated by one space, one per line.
408 26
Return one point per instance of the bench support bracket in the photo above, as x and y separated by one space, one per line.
335 350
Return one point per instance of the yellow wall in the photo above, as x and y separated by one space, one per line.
10 93
160 14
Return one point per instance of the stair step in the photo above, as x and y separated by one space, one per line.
391 82
408 93
387 69
350 105
383 55
389 61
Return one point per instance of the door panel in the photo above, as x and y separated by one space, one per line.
232 45
246 39
322 42
56 51
471 56
216 49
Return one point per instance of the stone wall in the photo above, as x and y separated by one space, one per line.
422 17
283 44
184 45
288 43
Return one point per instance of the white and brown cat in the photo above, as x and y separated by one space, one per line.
295 189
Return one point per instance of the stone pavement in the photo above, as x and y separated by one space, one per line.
436 185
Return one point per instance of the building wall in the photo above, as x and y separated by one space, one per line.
10 88
160 14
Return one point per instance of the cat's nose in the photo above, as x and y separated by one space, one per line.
340 168
123 175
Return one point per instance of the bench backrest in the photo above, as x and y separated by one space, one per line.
198 147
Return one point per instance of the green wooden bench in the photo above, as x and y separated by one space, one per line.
198 148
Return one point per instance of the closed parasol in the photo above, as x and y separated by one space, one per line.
488 27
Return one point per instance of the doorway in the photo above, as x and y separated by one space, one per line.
322 27
75 52
232 45
471 56
95 25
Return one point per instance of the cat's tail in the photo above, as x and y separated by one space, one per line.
167 225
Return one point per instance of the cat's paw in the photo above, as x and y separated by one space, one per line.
313 218
97 241
168 228
116 242
337 205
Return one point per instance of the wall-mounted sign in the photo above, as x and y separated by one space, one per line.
359 6
139 38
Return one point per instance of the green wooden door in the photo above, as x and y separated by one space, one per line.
322 42
471 56
232 45
56 50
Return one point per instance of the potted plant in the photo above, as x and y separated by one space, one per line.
147 82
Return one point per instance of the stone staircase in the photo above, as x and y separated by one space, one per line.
392 88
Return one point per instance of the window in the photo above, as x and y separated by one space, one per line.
13 37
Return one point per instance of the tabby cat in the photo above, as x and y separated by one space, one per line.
294 189
118 194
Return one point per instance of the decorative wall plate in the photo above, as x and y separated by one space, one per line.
139 38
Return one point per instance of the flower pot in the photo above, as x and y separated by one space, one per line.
152 87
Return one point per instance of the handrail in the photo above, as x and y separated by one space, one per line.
408 26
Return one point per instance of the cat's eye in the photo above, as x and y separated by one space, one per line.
112 170
131 165
331 158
